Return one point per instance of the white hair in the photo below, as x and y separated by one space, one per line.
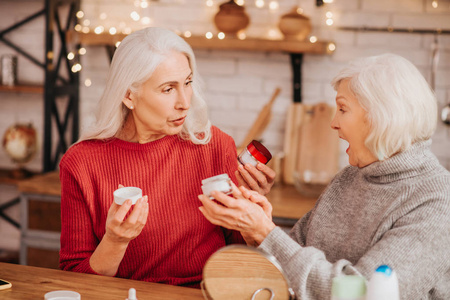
133 63
401 107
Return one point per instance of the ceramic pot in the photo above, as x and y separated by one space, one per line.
294 25
231 18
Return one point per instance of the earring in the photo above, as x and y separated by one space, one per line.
131 107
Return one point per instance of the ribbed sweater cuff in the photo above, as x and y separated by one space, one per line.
278 241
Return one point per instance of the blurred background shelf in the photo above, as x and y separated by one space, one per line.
22 88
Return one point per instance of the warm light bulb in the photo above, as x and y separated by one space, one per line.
221 35
87 82
434 3
313 39
273 5
331 47
327 1
187 34
272 34
76 68
329 22
240 2
80 14
70 56
146 21
99 29
82 51
329 14
85 30
144 4
117 44
112 30
209 35
135 16
78 27
209 3
86 22
241 35
259 3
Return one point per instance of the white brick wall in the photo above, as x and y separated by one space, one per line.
239 83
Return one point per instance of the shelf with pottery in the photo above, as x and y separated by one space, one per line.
228 43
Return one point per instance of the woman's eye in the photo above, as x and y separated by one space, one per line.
188 82
167 90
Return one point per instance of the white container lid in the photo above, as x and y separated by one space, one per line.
62 295
129 192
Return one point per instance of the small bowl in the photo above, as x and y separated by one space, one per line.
62 295
125 193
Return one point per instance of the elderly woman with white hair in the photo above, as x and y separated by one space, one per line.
391 206
152 132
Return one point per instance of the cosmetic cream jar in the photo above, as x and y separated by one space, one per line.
221 183
254 152
129 192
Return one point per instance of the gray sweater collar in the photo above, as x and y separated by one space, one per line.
410 163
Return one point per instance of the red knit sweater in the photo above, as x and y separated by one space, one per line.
177 239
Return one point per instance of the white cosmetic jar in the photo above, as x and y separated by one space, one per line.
129 192
62 295
221 183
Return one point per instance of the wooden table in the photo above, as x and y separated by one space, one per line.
31 283
288 204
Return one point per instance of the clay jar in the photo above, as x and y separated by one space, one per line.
294 25
231 18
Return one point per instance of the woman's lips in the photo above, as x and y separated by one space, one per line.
179 122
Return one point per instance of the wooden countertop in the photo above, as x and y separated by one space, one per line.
287 202
30 283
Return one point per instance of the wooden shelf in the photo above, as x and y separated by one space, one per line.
228 43
34 89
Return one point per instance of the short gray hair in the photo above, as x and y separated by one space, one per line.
401 107
133 63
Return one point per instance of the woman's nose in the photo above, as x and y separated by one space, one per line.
184 100
334 123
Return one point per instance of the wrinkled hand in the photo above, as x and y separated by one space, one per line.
259 179
248 212
122 230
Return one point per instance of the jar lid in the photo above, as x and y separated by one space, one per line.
62 295
223 176
259 151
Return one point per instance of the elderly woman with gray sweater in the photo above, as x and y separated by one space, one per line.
390 206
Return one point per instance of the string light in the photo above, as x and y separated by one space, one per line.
144 4
209 35
241 35
259 3
274 5
313 39
85 30
146 21
82 51
434 3
80 14
221 35
76 68
117 44
112 30
70 56
187 34
327 1
331 47
87 82
86 22
240 2
209 3
99 29
135 16
103 16
78 27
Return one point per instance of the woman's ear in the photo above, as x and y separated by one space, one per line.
128 100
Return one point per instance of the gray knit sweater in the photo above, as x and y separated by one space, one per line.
395 212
